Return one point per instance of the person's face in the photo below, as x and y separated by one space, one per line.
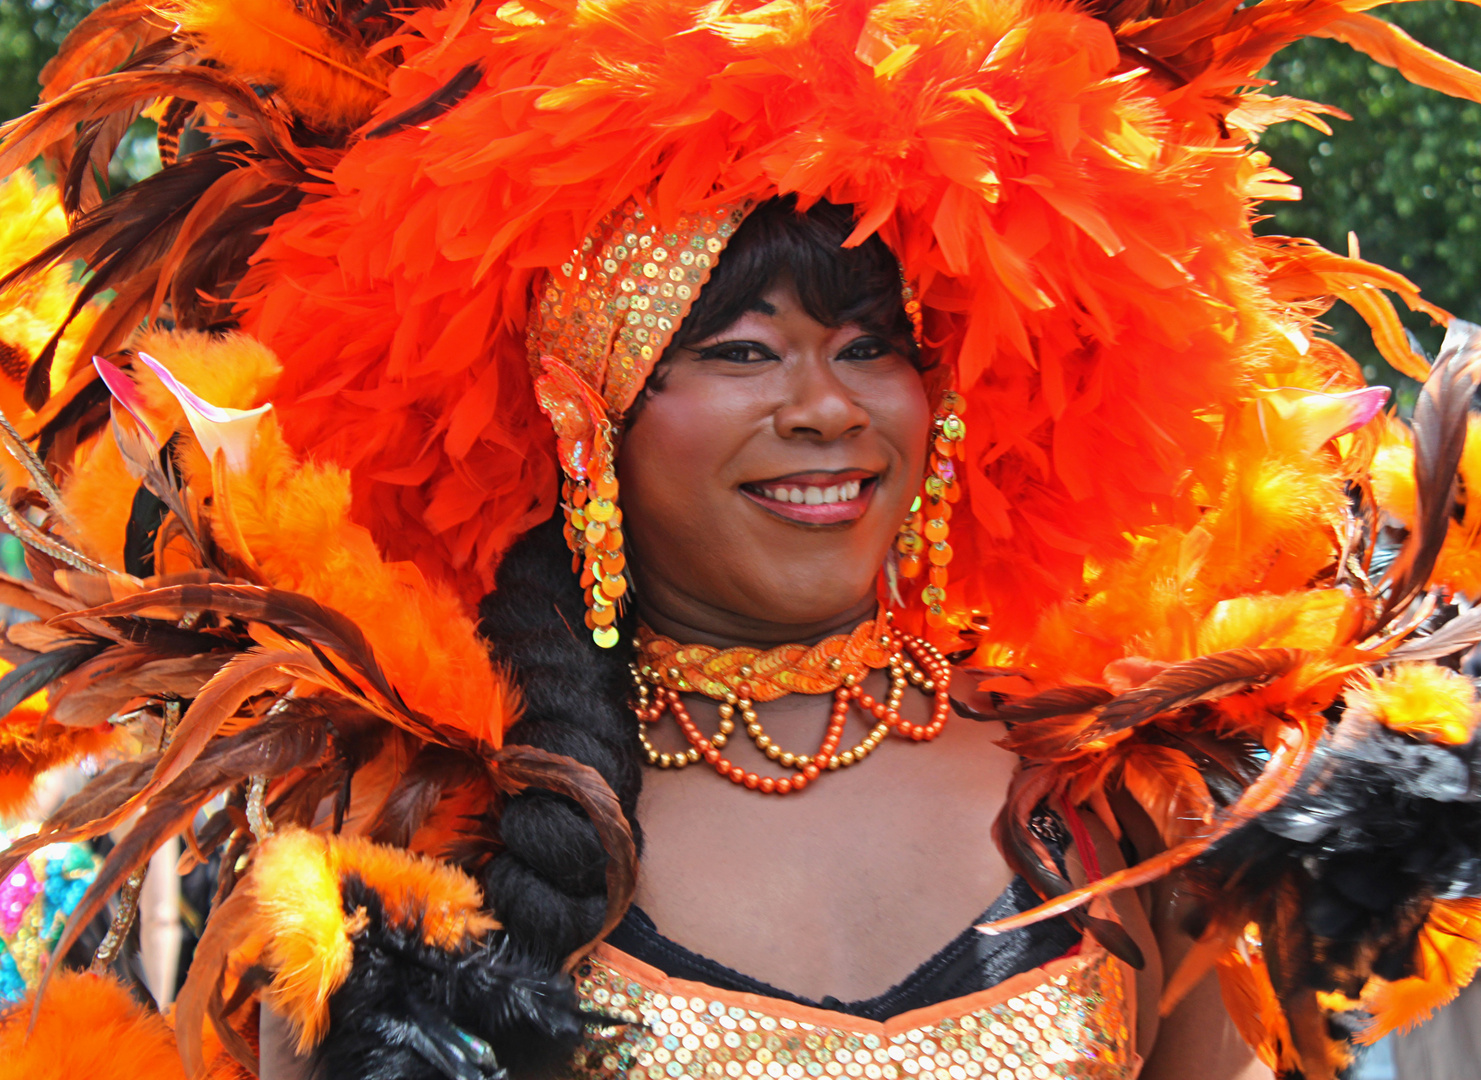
763 481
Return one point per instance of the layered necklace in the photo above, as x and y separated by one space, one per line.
738 678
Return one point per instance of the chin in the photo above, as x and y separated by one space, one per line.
802 602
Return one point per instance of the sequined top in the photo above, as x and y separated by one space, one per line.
1072 1017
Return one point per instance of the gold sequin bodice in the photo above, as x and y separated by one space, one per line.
1070 1018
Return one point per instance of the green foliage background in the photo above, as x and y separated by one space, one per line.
30 31
1404 175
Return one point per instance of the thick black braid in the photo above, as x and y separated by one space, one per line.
548 885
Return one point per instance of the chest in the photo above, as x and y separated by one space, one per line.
843 889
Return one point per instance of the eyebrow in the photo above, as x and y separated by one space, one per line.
762 307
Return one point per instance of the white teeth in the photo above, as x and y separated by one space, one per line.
815 496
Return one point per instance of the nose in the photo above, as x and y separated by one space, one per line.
817 405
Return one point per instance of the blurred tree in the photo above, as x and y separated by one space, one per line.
30 31
1404 176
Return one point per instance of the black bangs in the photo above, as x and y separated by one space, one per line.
835 285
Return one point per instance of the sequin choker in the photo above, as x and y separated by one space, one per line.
739 677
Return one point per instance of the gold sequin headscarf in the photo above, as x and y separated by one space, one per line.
603 319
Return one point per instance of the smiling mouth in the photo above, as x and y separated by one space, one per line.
815 498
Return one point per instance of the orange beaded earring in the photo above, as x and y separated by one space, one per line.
923 540
594 534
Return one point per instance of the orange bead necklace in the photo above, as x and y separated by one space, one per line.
742 676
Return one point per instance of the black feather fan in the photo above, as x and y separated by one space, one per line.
412 1011
1378 827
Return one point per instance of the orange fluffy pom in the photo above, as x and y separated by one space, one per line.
1424 700
123 1041
301 917
293 521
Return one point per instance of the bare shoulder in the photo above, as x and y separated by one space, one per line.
276 1057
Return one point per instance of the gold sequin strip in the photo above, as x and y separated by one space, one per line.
1068 1019
609 311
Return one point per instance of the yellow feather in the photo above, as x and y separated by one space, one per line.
1423 700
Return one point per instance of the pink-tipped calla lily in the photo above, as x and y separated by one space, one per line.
127 394
229 430
1319 418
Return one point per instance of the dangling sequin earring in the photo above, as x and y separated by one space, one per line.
923 540
594 534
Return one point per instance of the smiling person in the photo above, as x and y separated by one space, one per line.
655 539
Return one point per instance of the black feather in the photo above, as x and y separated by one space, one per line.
33 675
1378 826
432 106
411 1011
145 517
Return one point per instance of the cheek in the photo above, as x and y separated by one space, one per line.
669 464
903 418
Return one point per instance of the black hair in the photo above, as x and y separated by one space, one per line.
835 285
547 885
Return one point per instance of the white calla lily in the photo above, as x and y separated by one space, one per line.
231 431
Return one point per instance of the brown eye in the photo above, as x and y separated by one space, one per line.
866 348
737 352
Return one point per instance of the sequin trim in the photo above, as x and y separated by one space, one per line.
610 310
1070 1018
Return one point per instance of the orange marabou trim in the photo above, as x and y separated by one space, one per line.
89 1026
298 881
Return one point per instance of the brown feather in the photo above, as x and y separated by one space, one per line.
253 119
229 926
419 790
1286 946
288 612
269 749
433 105
105 685
1287 760
1455 636
1440 417
1062 700
102 42
77 817
1204 679
244 676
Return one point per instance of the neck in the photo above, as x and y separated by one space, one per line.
692 622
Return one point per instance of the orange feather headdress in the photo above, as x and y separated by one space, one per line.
1071 191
